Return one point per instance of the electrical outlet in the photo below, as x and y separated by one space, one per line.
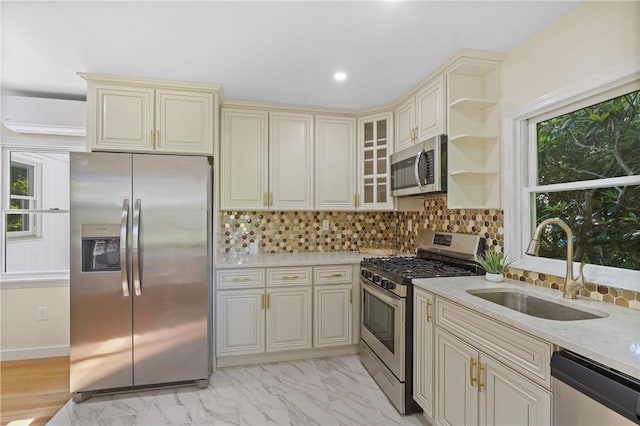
325 225
253 248
42 313
410 225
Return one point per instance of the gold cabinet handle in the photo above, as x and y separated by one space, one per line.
268 301
265 199
355 200
428 311
241 279
334 275
289 277
262 301
350 296
150 138
157 141
472 364
480 384
271 198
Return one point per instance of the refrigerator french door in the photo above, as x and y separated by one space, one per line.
140 271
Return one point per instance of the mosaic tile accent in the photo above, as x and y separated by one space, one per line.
618 296
436 216
291 232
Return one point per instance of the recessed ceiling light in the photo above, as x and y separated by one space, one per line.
340 76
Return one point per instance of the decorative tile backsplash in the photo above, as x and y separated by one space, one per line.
290 232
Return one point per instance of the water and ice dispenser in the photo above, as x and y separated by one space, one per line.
100 247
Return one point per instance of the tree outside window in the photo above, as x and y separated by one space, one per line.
599 142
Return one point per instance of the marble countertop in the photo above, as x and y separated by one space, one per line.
613 341
266 260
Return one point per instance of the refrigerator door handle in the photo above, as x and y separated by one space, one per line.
124 223
136 248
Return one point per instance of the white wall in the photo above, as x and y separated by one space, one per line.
585 42
22 336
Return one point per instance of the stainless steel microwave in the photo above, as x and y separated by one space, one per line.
421 168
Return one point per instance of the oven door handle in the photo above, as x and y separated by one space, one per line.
417 170
389 300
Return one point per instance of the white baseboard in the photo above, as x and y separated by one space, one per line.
32 353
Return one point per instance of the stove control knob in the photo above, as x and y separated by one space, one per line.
390 285
376 279
384 284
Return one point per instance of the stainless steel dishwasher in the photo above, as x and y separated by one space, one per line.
587 393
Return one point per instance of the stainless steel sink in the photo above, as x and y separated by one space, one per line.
534 306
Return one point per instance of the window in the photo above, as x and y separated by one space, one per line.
36 215
22 196
576 156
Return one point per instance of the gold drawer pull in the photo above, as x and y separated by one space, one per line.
428 311
268 301
350 296
290 277
480 384
262 301
241 279
334 275
472 364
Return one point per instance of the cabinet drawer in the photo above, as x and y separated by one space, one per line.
284 277
335 274
240 278
520 351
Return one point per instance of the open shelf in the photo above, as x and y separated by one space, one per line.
473 103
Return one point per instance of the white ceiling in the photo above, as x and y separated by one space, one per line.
278 52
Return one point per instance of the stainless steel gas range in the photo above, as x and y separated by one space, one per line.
387 306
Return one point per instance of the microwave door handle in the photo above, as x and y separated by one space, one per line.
417 171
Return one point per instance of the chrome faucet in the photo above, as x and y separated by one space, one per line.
571 285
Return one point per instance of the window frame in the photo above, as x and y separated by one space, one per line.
35 222
520 170
20 143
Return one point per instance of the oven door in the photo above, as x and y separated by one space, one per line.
383 326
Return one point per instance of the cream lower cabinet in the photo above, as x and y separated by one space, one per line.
274 316
240 322
488 373
288 323
334 305
423 356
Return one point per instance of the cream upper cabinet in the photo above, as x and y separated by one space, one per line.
244 159
405 124
375 145
266 160
423 356
291 168
421 115
134 115
335 163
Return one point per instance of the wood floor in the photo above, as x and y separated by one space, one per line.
33 389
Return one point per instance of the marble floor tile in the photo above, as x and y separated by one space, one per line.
334 391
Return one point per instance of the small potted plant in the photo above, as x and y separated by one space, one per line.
494 264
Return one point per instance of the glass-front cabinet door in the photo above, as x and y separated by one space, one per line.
374 149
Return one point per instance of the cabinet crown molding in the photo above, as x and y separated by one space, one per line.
145 82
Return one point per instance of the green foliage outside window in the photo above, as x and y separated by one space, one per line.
597 142
21 186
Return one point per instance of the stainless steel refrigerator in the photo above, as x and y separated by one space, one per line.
140 271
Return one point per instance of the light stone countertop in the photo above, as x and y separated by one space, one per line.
613 341
268 260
